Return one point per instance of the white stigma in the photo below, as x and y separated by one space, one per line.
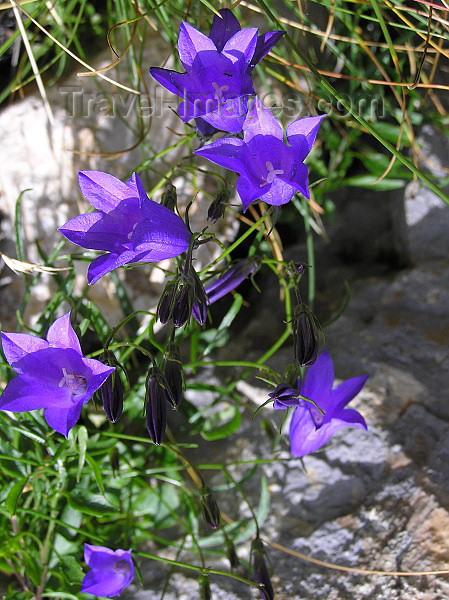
75 383
272 172
219 89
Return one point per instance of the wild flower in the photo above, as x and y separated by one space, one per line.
311 428
53 374
111 571
127 225
269 170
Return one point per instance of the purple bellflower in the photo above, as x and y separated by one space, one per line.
52 374
268 169
127 225
111 571
309 428
217 82
224 284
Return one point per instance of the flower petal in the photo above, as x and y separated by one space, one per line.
260 121
17 345
300 179
279 192
62 419
241 46
223 28
265 43
226 152
306 438
247 191
108 262
353 418
191 43
318 382
61 334
23 394
347 390
103 191
302 133
174 82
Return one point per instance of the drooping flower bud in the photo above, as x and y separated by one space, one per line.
156 398
306 337
173 374
285 395
218 205
111 392
169 196
260 570
211 512
179 297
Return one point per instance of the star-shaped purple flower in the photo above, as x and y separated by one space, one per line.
217 82
52 374
111 571
127 225
309 428
268 169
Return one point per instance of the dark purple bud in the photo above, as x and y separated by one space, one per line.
173 374
166 302
218 205
156 399
285 395
201 301
306 337
205 593
111 392
169 196
211 512
260 570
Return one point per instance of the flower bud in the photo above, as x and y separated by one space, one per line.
180 296
173 374
156 398
111 392
218 205
211 512
260 570
169 196
284 395
306 337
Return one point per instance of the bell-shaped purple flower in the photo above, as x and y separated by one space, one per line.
52 374
268 169
217 82
309 428
127 225
111 571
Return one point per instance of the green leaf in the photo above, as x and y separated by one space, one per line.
371 182
89 503
97 472
212 431
13 495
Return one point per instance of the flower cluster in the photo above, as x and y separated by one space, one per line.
128 227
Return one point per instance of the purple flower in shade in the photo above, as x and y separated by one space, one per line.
217 82
224 284
310 429
127 225
52 374
111 571
268 169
